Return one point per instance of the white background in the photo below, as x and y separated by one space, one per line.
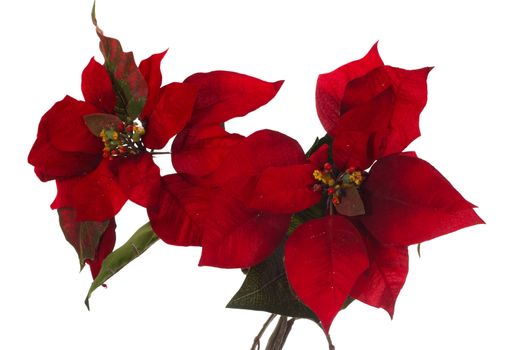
466 292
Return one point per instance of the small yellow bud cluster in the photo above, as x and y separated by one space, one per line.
124 141
356 177
335 185
324 177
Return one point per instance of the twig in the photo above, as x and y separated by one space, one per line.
330 344
257 341
276 341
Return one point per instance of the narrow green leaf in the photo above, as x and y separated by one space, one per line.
129 85
98 121
133 248
419 250
84 236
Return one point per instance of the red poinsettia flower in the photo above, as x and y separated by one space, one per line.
221 197
96 154
96 149
359 249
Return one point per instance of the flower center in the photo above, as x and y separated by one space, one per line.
123 141
336 184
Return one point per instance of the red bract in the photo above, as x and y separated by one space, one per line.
371 113
221 198
348 96
95 149
324 258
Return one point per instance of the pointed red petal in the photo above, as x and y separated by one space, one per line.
286 189
225 95
359 134
331 86
380 285
105 247
200 150
97 88
150 70
237 237
97 196
139 178
382 115
323 259
170 115
408 201
177 216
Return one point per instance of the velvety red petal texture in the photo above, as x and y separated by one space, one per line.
260 150
323 260
408 201
382 115
150 70
331 87
96 196
380 285
286 189
319 157
64 146
200 150
105 247
361 133
178 216
64 128
51 163
139 178
224 95
237 237
97 88
170 115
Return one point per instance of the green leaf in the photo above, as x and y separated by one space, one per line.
351 203
129 85
266 289
98 121
133 248
84 236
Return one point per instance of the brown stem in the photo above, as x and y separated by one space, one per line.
330 344
257 341
280 333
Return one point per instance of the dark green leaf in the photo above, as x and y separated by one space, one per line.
134 247
84 236
266 289
351 203
129 85
419 250
98 121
